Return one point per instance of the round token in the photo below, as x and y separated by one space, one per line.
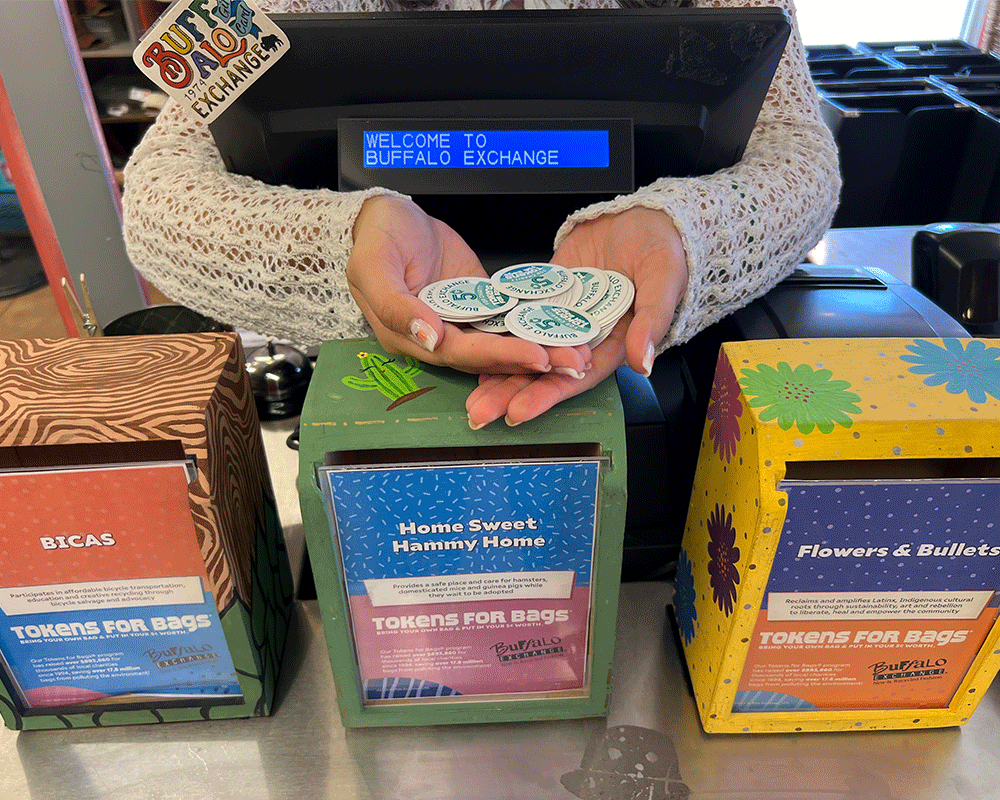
616 301
533 281
595 286
613 306
548 324
493 324
466 299
600 338
571 296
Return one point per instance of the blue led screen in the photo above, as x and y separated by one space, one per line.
484 149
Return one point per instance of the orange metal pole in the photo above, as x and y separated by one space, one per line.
29 194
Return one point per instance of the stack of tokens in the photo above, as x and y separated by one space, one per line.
466 299
612 305
540 302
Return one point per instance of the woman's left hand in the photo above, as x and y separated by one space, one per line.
641 243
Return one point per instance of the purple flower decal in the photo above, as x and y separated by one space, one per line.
723 556
724 411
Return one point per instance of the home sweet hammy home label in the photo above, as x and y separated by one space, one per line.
463 576
840 568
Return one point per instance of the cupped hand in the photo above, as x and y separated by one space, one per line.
398 250
641 243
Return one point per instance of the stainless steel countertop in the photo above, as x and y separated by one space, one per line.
303 752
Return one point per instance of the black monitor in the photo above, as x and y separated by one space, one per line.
501 123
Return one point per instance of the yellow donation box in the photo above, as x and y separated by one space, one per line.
840 567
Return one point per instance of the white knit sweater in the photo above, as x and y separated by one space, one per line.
272 259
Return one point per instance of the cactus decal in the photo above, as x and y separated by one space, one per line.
392 380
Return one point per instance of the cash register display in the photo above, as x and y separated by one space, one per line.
514 116
674 90
486 156
484 149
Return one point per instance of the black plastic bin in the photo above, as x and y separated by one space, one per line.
918 131
898 151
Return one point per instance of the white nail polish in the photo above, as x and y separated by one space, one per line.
423 334
647 361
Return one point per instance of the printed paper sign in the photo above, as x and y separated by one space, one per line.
467 579
103 599
99 594
876 605
206 53
485 586
880 595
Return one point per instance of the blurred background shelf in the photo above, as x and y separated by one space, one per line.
107 32
917 127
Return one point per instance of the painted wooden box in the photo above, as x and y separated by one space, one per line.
145 575
463 576
840 568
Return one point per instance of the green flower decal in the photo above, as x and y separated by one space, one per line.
803 396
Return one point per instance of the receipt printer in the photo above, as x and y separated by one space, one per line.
665 414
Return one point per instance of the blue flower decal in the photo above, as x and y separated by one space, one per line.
684 597
964 365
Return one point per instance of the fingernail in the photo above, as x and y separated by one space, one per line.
588 366
509 423
540 367
476 427
423 334
647 361
571 372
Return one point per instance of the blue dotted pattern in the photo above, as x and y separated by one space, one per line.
888 515
370 505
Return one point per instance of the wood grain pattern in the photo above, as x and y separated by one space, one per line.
190 388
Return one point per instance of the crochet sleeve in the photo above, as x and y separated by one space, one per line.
271 259
747 227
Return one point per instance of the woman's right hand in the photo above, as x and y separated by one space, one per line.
398 250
